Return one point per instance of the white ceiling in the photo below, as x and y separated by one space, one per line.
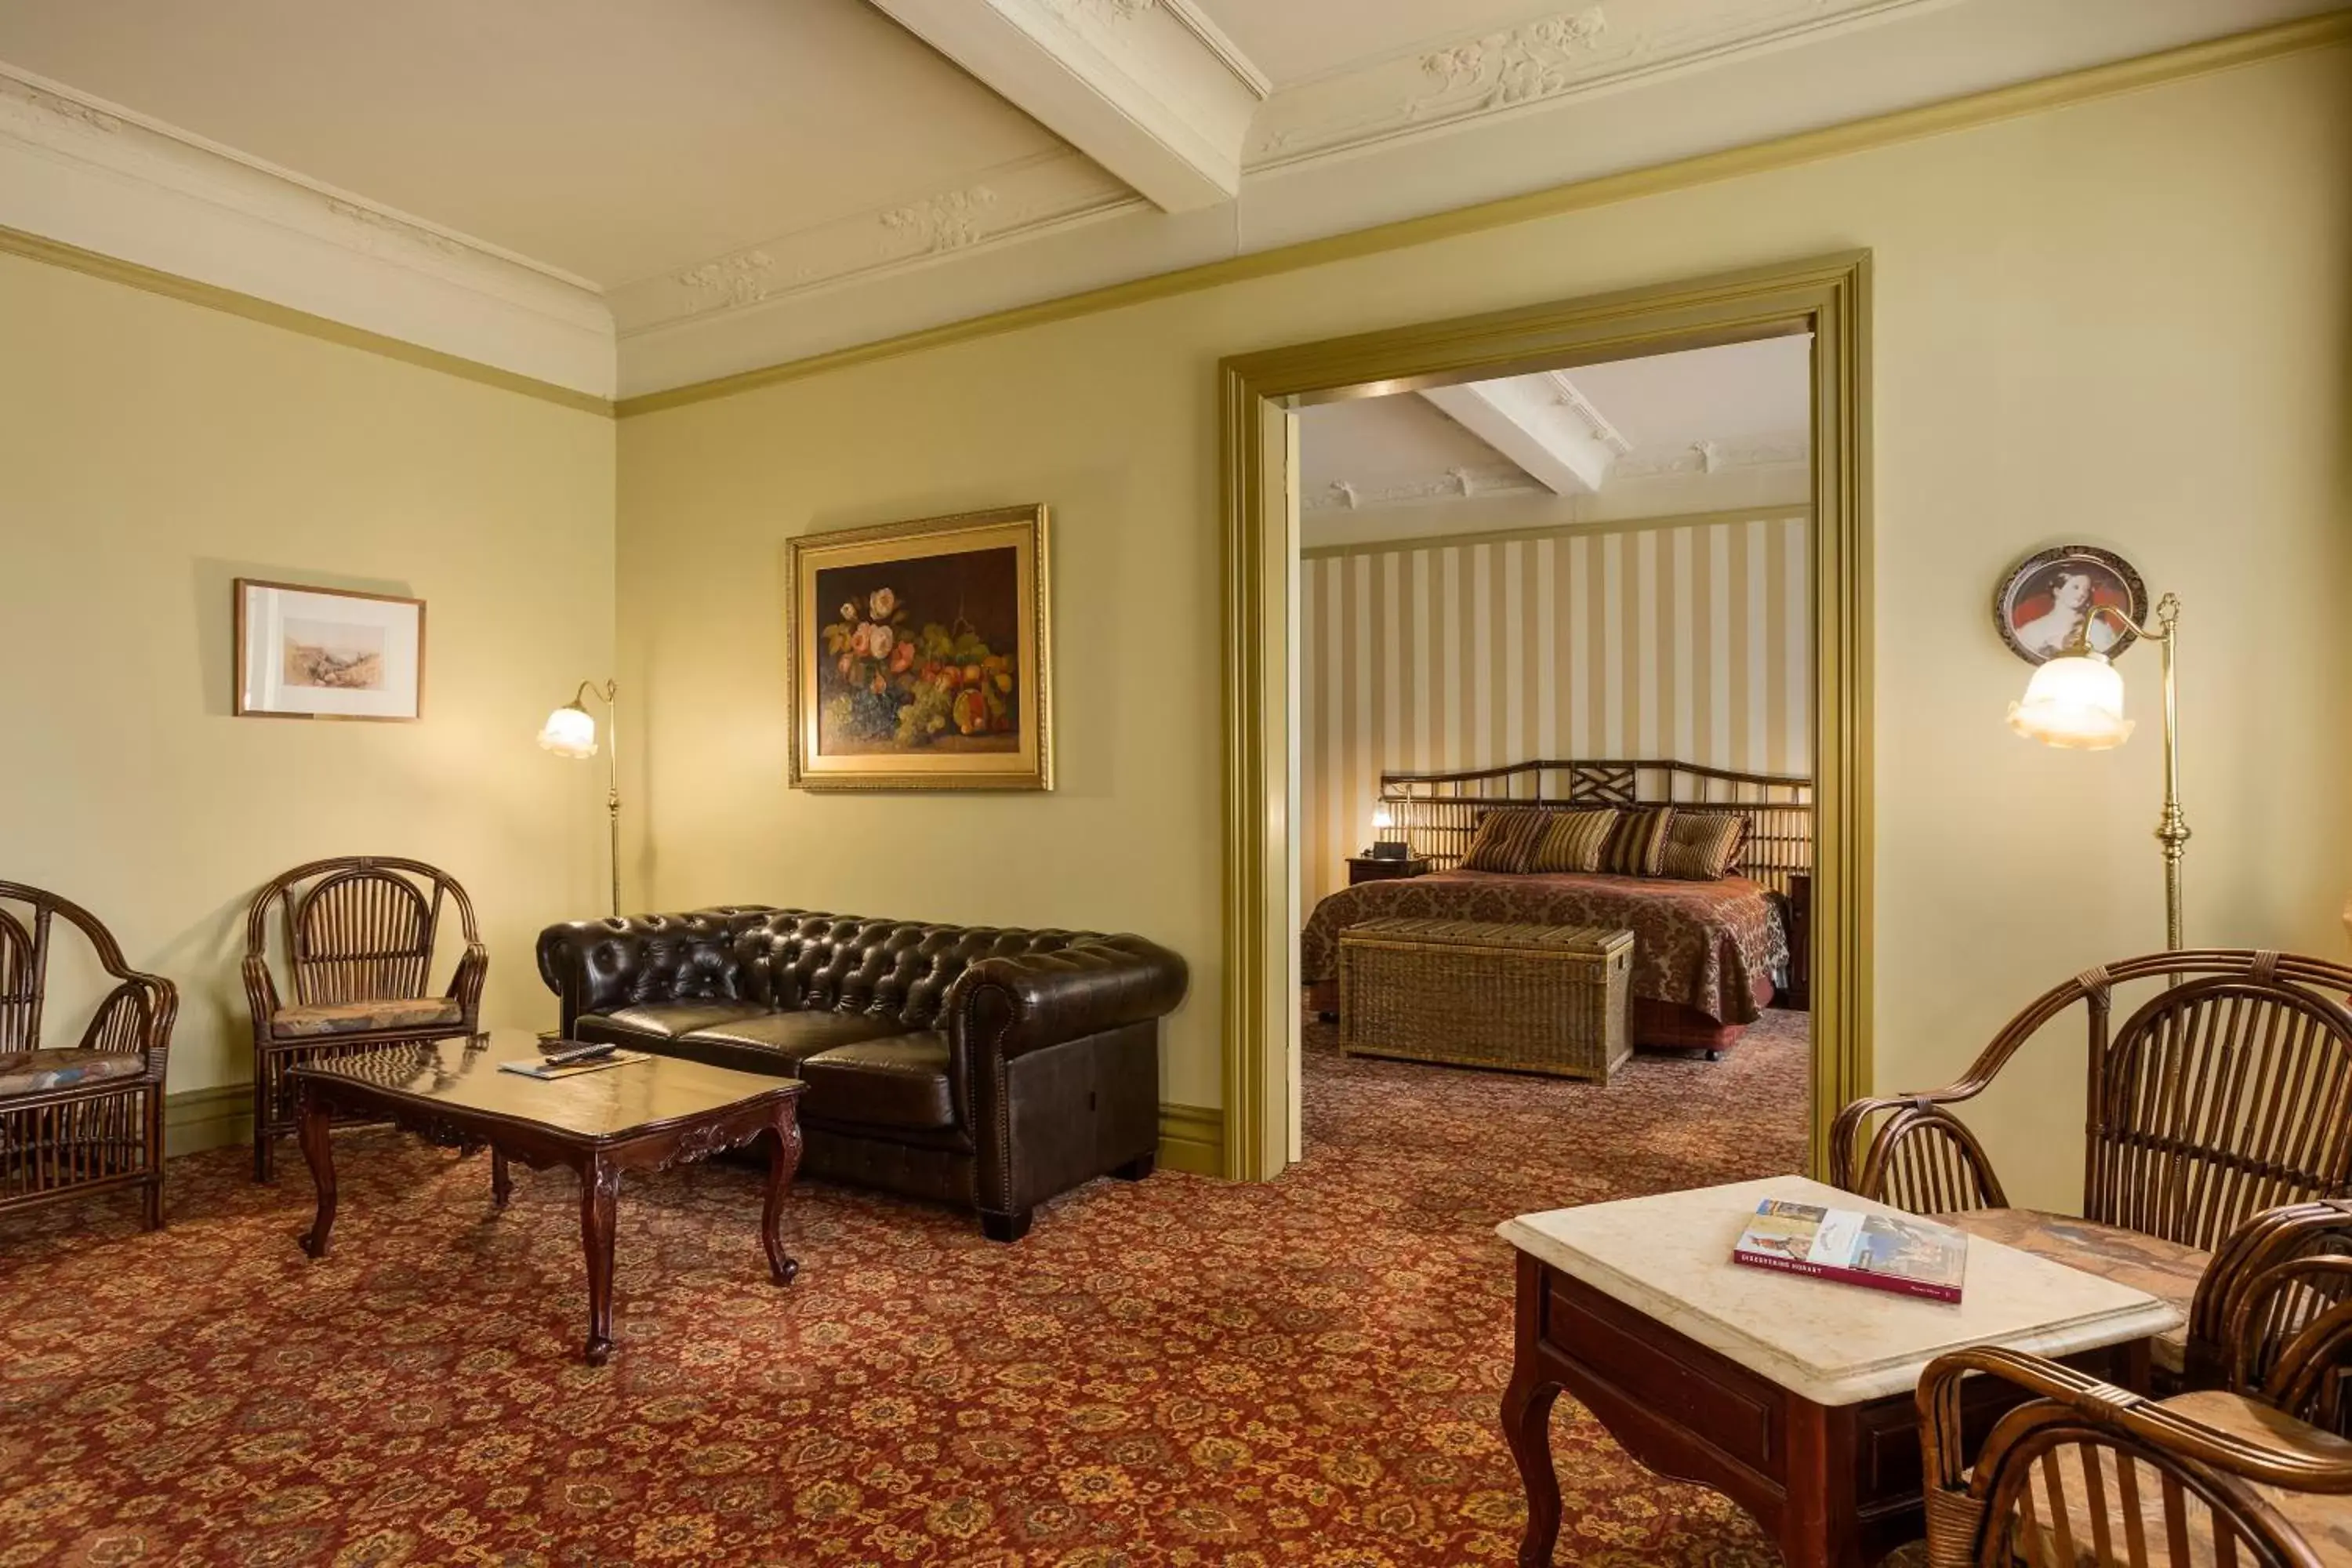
1701 430
614 195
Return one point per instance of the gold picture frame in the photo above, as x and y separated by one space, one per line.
921 654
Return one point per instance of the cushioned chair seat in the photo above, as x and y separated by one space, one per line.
36 1072
2324 1522
2165 1269
898 1082
327 1018
662 1020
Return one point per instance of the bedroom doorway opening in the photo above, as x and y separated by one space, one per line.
1653 676
1554 649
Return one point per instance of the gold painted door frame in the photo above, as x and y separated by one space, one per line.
1828 297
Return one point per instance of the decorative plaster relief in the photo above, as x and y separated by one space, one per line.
1030 196
1453 484
1712 458
1539 62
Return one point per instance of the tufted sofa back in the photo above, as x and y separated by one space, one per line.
787 959
898 969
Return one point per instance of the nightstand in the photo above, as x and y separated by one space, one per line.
1364 868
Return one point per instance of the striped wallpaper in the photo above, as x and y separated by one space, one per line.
1685 641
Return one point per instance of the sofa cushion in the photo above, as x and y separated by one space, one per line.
37 1072
328 1018
899 1081
661 1020
2165 1269
778 1042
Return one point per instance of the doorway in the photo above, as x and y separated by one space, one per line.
1825 303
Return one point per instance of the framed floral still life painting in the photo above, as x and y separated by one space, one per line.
325 653
919 655
2054 599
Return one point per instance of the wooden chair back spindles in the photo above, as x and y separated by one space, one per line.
82 1113
361 935
2227 1093
2219 1098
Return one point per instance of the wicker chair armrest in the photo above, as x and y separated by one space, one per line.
466 985
136 1015
260 989
2298 1316
2243 1313
2082 1401
1908 1151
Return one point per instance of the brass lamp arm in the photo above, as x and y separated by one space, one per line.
2168 615
610 693
2172 826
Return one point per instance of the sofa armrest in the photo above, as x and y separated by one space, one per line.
595 966
1017 1004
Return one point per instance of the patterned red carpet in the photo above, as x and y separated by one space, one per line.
1178 1373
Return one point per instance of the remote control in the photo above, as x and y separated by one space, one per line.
587 1053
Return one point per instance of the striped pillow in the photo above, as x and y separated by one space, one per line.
1506 839
1701 846
1573 840
1638 845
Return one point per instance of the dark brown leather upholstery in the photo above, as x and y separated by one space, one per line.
989 1067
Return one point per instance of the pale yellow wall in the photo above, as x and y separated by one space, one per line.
2123 322
150 451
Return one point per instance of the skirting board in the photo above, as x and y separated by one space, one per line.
1192 1137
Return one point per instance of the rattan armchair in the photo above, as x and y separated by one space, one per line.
359 936
89 1117
2253 1471
2223 1094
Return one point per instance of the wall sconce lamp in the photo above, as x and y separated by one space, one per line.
2077 700
570 732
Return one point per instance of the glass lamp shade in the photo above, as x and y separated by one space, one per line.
2075 701
1382 819
570 731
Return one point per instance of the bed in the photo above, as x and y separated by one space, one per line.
1708 956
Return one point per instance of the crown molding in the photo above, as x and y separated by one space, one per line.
1461 483
1150 89
1958 112
1511 71
1702 457
1019 200
96 177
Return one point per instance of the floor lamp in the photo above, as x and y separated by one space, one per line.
2077 700
570 732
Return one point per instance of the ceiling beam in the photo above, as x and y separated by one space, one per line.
1543 423
1149 89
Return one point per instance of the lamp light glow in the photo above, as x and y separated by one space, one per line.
1382 819
570 731
2075 701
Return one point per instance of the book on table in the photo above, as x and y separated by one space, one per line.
540 1068
1885 1252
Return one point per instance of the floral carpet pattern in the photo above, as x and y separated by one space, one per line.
1177 1371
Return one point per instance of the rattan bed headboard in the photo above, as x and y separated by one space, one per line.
1437 813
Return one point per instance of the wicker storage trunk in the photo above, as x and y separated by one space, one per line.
1549 999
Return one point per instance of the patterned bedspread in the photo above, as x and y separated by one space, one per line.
1696 944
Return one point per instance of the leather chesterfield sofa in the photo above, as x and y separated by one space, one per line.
990 1069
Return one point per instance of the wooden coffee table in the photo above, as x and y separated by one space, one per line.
642 1116
1792 1396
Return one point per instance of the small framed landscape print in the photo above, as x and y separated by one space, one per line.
2051 599
324 653
919 654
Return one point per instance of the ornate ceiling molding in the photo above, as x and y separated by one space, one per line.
1464 483
92 175
1589 48
1714 457
1012 202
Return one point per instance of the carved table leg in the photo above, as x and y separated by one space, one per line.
600 1188
501 1178
784 1158
1526 1428
317 1126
